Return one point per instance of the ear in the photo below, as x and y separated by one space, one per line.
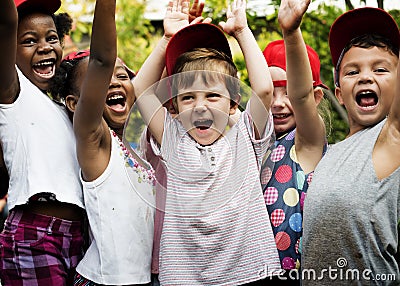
71 102
318 94
338 94
233 108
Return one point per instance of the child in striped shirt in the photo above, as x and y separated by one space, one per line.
216 228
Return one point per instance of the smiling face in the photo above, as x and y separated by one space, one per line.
39 49
281 107
367 80
120 98
120 94
204 110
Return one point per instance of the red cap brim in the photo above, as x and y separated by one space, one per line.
200 35
358 22
275 56
50 6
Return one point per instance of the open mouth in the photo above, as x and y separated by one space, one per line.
280 116
45 69
367 99
203 124
116 101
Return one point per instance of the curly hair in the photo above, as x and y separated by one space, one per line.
63 82
63 22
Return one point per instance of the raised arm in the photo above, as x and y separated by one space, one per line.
89 127
310 128
394 114
257 68
149 105
9 87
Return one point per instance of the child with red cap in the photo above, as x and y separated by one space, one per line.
352 209
42 240
216 228
288 170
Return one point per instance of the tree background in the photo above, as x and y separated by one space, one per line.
137 36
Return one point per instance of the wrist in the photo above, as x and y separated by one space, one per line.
240 32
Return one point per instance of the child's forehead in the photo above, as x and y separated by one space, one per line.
202 84
359 56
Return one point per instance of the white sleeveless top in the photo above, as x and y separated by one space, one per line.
120 207
39 147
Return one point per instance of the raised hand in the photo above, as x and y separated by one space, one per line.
176 17
291 13
236 18
196 10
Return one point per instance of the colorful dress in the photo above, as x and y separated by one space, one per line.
285 186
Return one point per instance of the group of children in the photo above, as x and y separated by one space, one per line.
236 184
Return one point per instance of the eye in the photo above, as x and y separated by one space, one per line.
123 76
28 41
381 70
53 39
187 97
352 72
213 95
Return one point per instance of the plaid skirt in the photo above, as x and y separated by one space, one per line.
39 250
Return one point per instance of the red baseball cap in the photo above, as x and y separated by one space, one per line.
50 6
86 53
358 22
275 55
201 35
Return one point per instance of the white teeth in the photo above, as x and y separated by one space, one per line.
366 92
115 96
44 63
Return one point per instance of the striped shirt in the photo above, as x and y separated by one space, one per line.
216 228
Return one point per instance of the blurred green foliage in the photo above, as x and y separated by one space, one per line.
137 37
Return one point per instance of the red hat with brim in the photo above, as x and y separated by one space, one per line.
50 6
86 53
275 56
201 35
358 22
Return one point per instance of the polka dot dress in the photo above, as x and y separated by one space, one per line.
284 187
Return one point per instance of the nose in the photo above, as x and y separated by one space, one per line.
365 77
114 82
278 100
200 106
45 47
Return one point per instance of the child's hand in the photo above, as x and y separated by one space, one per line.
195 13
291 13
177 17
196 10
236 18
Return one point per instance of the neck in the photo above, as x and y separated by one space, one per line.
119 132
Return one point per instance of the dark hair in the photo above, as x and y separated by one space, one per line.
367 41
372 40
63 82
62 21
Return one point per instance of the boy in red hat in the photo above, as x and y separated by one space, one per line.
352 210
301 137
216 228
42 240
